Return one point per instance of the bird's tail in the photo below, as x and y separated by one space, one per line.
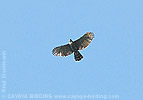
77 56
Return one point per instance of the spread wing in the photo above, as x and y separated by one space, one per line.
64 50
84 41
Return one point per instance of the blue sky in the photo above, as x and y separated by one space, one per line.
112 64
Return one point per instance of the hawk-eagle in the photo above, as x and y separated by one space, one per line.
74 46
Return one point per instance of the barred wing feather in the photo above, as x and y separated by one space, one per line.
64 50
84 41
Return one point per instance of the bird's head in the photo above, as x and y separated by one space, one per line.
70 42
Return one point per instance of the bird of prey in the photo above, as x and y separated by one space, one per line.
74 46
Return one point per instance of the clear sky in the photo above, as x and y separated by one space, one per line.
112 64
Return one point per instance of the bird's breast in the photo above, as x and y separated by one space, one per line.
73 47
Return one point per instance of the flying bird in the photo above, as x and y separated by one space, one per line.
74 46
